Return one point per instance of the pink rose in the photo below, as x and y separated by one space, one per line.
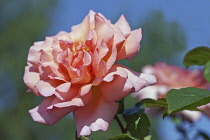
76 72
172 77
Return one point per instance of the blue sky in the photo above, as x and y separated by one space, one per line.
192 15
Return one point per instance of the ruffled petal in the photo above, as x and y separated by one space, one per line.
84 76
116 89
65 87
34 52
131 45
79 33
47 87
99 66
115 70
85 89
147 92
91 40
68 93
42 115
112 58
123 25
103 30
140 80
87 59
31 77
63 35
77 101
97 115
121 81
116 84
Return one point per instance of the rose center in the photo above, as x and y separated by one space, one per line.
79 46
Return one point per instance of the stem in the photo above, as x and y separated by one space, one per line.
123 130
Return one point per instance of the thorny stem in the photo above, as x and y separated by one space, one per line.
123 130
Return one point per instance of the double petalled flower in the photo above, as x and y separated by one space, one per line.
76 72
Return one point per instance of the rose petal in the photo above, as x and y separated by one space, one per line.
47 87
84 76
116 84
77 101
42 115
139 80
102 49
123 25
146 93
121 81
91 40
78 60
131 45
112 58
116 89
99 66
85 89
115 70
65 87
79 34
34 51
92 20
103 30
93 116
68 95
31 77
63 35
87 59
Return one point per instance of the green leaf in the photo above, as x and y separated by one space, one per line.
155 103
141 126
137 121
82 138
138 125
123 137
206 71
149 137
186 99
197 56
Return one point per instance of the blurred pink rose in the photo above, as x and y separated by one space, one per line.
172 77
76 72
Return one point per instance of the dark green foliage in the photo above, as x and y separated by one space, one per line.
83 138
197 56
206 71
123 137
186 99
155 103
137 121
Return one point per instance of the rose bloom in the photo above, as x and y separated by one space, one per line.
172 77
76 72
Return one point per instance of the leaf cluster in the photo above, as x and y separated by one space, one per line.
199 56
